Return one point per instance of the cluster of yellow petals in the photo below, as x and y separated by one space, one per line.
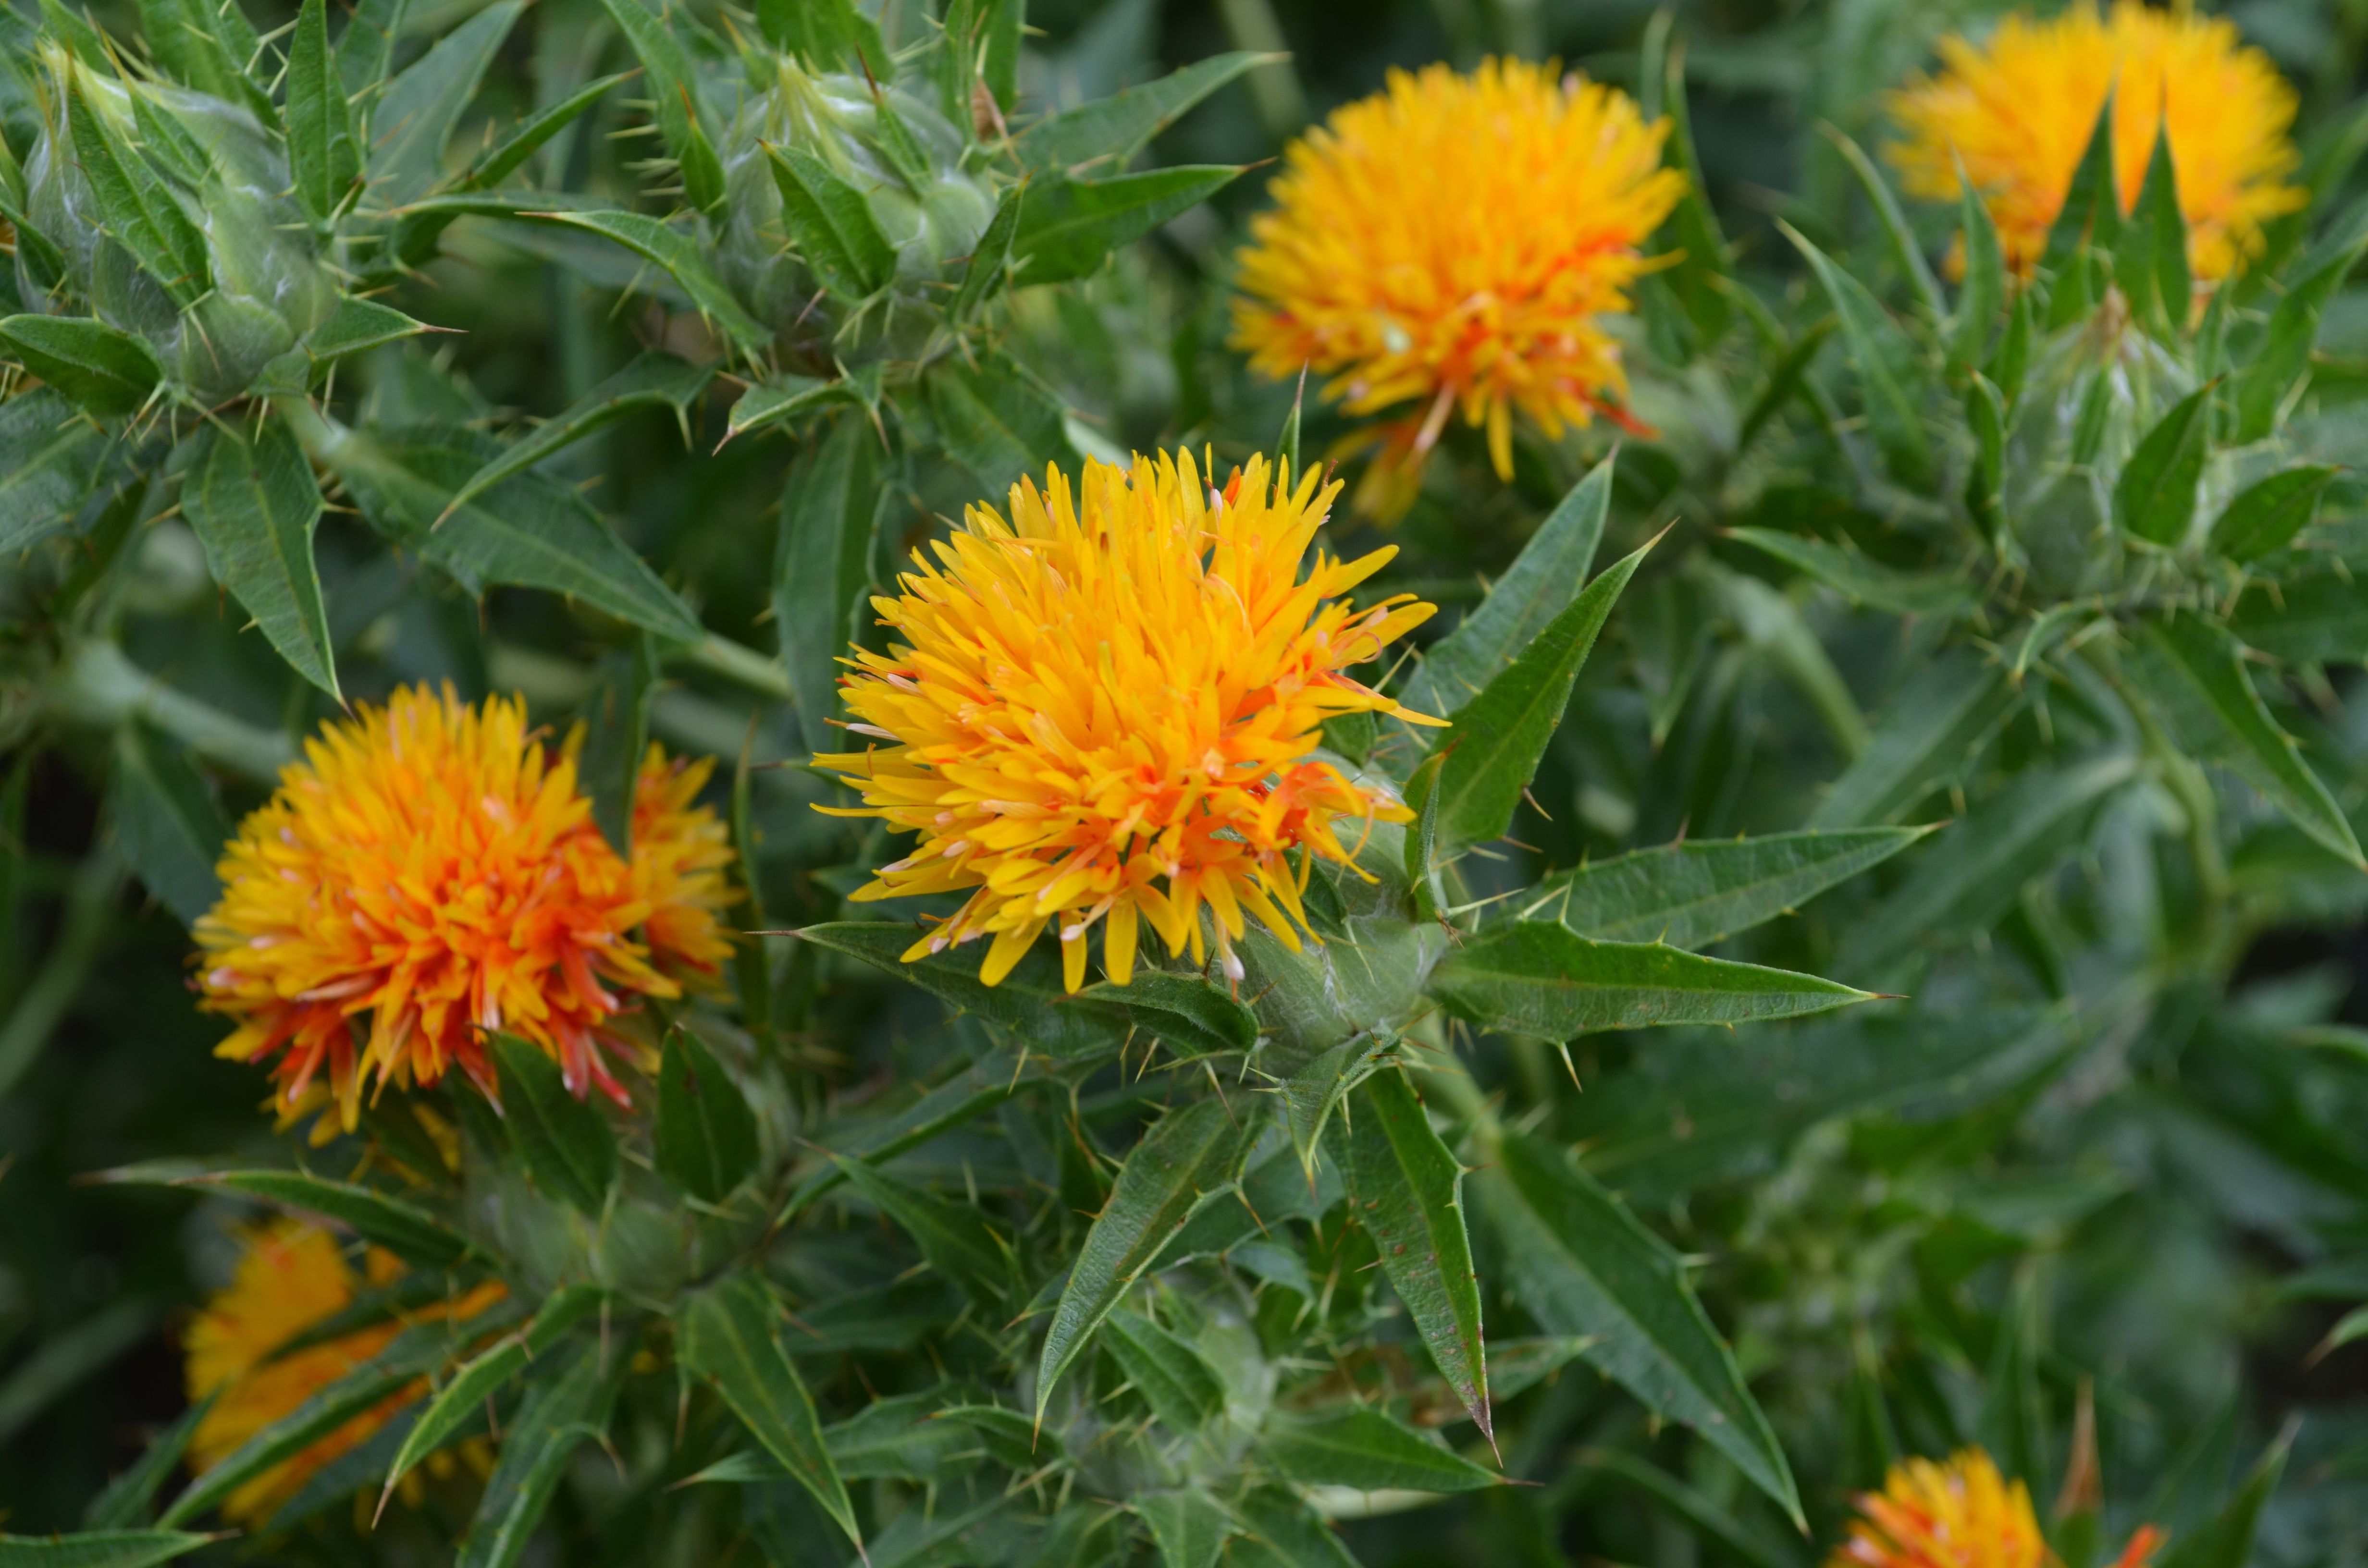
1453 241
290 1277
1958 1514
436 867
1106 707
2018 108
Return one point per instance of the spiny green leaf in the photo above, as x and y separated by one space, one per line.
1029 1001
2225 1540
1984 291
463 1396
679 256
1582 1266
706 1134
1070 225
1407 1189
1110 132
2193 673
1311 1095
1544 579
1369 1451
1898 237
567 1145
321 151
102 369
651 379
254 503
2155 497
125 1501
728 1337
1528 977
2091 216
357 326
411 1234
990 259
785 397
1695 893
830 223
559 1416
1191 1157
2267 516
1492 748
414 117
997 420
1180 1387
676 101
2150 259
49 453
2284 356
827 35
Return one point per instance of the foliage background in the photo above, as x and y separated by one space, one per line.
2169 1219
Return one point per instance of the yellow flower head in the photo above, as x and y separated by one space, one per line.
435 867
291 1275
1962 1513
1451 241
1106 708
2018 108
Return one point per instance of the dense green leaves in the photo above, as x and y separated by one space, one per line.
172 829
568 1408
1180 1387
1882 356
1529 978
956 1241
321 150
822 566
463 1395
830 223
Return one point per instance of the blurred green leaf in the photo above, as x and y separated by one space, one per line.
253 500
616 719
1187 1526
1860 580
706 1135
1695 893
1898 237
828 35
410 1233
1108 132
128 1499
50 454
1191 1157
954 1237
1529 978
1070 226
2266 516
823 566
2225 1539
1283 1533
565 1144
1983 293
676 102
464 1394
2091 214
651 379
1947 706
1581 1265
728 1337
1408 1192
172 831
990 260
2150 258
997 420
2283 358
1311 1095
2155 497
675 253
2191 672
2314 617
69 1358
1884 359
1369 1451
98 1549
106 372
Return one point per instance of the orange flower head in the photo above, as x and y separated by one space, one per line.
2018 111
1961 1514
1108 707
1455 242
291 1275
433 867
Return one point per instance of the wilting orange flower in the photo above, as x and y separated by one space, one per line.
2019 109
1453 241
1106 707
291 1275
436 867
1962 1513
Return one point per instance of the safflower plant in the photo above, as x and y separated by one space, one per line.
1585 891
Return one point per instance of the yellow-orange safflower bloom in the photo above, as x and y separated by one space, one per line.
291 1275
436 867
1106 707
2018 108
1453 241
1960 1514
